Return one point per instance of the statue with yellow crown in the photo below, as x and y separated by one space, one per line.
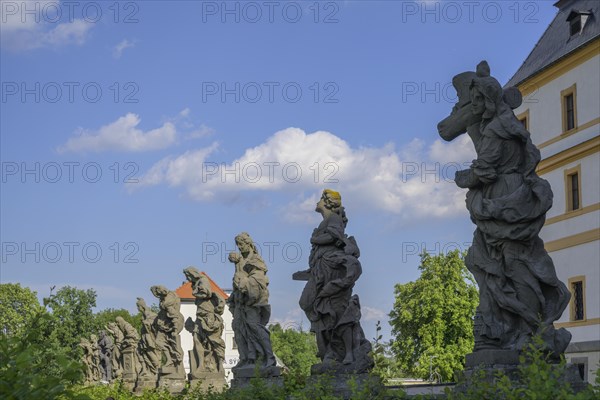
327 299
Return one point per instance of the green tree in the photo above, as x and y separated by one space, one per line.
432 318
102 318
24 365
18 306
386 366
72 316
295 348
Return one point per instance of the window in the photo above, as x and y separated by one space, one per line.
569 108
524 122
577 20
575 25
582 366
524 118
573 188
578 300
569 112
234 345
577 288
574 191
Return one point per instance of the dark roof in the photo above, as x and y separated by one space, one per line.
556 41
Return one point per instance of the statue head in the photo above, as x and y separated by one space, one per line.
141 304
203 288
479 97
486 93
191 274
234 257
331 202
245 244
159 291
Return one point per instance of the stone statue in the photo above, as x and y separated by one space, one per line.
148 351
105 346
327 299
128 349
117 359
88 360
95 357
249 304
167 325
209 346
519 292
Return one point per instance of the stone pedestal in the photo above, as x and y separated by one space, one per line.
346 385
146 382
129 375
243 376
172 378
491 361
207 380
239 383
491 357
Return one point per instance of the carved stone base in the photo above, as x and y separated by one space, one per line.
336 368
345 385
239 382
490 357
470 376
250 371
206 380
146 382
172 378
129 375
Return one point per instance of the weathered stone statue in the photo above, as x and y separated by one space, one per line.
519 292
117 359
167 325
148 351
208 354
95 357
88 361
105 346
327 299
249 303
128 347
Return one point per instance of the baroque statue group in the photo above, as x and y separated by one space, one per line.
154 356
519 292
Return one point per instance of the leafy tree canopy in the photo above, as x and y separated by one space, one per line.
296 349
102 318
432 318
18 306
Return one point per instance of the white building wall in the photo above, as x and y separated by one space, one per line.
581 260
590 188
544 103
544 107
188 309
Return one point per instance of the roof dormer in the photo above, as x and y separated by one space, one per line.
577 20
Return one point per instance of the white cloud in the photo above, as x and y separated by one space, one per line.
121 135
121 46
201 132
400 182
293 319
21 31
185 169
459 150
373 314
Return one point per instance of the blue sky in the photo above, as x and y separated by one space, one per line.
155 131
